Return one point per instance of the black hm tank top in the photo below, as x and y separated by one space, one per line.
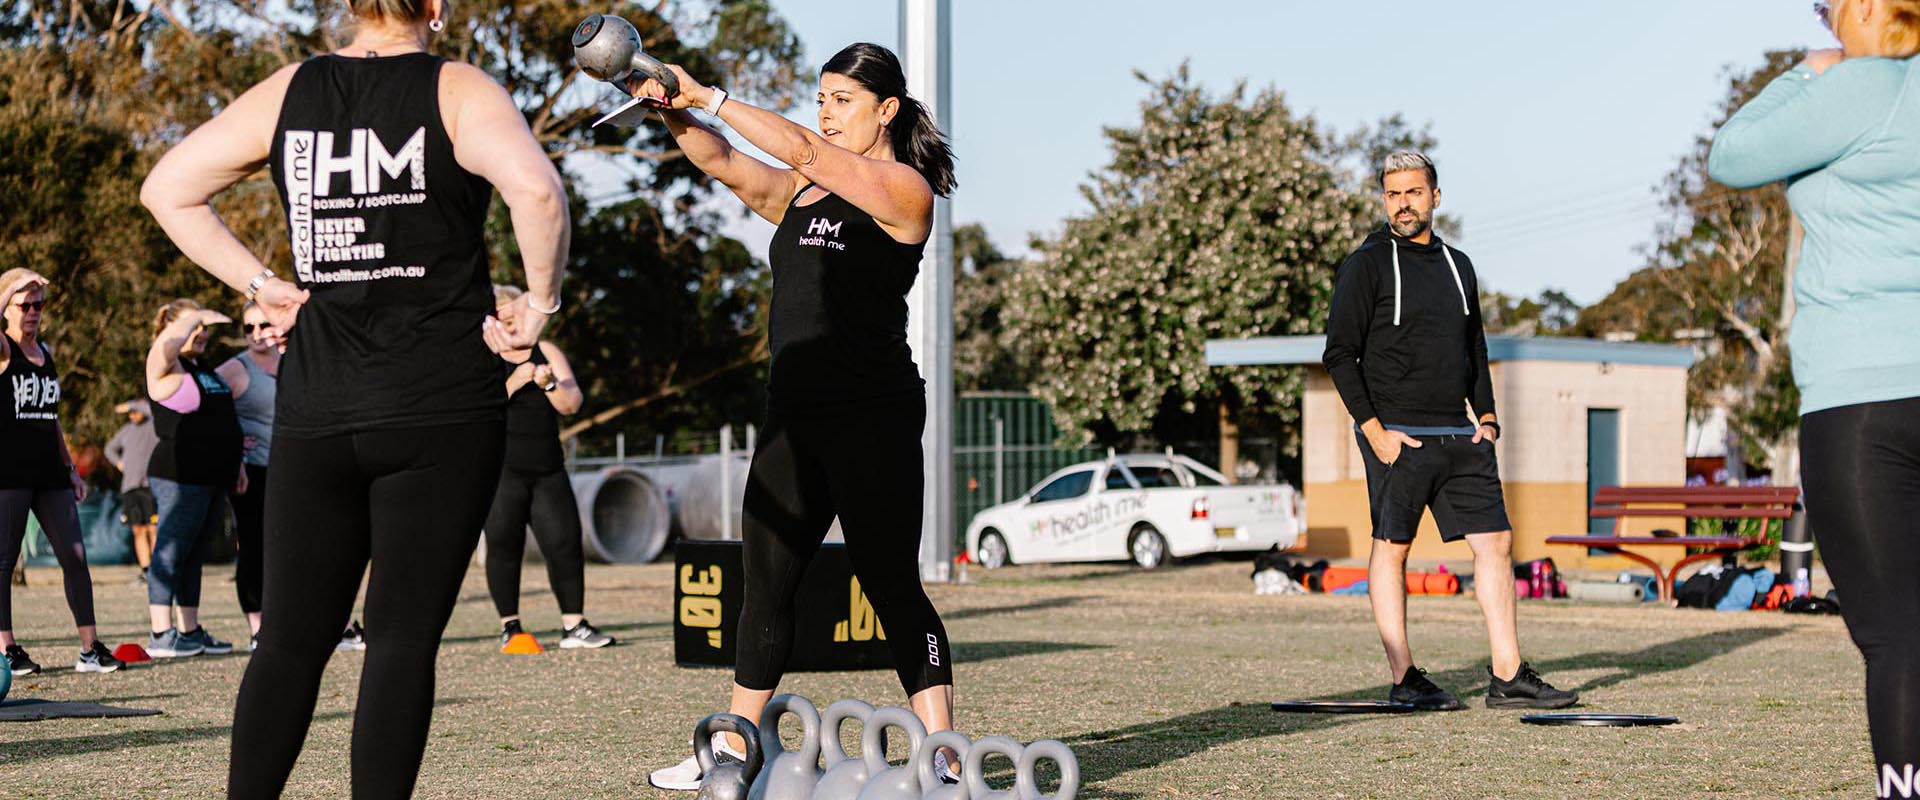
30 423
533 427
385 229
838 323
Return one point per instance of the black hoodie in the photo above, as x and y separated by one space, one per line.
1404 340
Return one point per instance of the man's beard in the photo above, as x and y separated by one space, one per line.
1409 230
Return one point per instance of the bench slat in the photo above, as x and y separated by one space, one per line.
1693 512
1671 541
1744 495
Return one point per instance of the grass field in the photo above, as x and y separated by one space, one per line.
1159 680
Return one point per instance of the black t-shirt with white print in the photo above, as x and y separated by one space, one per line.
838 323
30 424
385 230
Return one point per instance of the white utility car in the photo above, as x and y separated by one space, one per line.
1148 508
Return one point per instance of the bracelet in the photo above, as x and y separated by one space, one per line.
253 286
715 100
1494 425
550 386
546 311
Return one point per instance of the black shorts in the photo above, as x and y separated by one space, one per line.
1450 474
137 507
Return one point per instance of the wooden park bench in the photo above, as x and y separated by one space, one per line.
1689 502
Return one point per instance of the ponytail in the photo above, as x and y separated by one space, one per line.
917 141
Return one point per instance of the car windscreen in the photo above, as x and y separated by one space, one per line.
1155 477
1073 484
1203 479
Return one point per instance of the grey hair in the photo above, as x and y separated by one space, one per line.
1407 160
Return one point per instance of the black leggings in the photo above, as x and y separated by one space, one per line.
60 518
1862 468
249 517
866 468
546 498
411 501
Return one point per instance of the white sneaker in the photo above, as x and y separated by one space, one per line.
685 776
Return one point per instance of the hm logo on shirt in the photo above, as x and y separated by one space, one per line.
817 232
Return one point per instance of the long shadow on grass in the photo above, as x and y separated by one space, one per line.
1110 753
38 749
494 637
975 652
994 611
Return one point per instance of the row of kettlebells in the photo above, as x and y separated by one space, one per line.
772 772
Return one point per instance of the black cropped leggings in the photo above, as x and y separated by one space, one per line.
545 499
249 519
1862 468
410 500
864 467
59 516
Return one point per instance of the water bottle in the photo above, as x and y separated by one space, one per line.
1802 583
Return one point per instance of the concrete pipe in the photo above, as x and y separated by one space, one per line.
624 518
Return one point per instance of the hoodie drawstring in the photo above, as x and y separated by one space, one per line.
1444 251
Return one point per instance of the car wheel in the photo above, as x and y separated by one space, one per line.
992 551
1148 547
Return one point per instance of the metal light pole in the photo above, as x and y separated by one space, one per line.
924 31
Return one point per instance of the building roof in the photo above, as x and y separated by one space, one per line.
1307 349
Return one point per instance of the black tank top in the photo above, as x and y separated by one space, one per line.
838 325
203 447
385 230
533 427
30 424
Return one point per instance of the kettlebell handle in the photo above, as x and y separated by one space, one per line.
923 760
809 726
831 721
704 730
1026 779
873 740
976 774
608 48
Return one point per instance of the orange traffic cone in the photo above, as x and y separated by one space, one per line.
523 644
131 653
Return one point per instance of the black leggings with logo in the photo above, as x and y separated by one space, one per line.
1862 468
411 501
864 467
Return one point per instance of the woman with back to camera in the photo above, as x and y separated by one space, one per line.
254 375
845 402
37 473
390 418
1843 129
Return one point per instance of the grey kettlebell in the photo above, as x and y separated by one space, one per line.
930 786
884 782
1026 779
788 775
844 775
608 48
975 775
725 781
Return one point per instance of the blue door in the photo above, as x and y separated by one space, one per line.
1603 460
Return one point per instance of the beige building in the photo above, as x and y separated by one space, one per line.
1576 414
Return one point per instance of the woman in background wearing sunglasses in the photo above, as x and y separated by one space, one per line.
1843 130
254 375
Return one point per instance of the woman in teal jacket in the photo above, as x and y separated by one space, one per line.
1843 130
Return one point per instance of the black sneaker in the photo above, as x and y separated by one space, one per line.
22 663
1526 690
97 659
508 630
1416 690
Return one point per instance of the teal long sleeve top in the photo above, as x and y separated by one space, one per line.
1847 142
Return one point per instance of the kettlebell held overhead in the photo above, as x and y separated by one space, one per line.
727 781
607 48
788 775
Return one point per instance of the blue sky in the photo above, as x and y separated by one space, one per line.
1556 120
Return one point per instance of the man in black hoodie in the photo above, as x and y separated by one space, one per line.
1408 355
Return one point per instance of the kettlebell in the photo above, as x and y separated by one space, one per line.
1026 779
725 781
844 775
975 774
885 782
607 48
930 786
788 775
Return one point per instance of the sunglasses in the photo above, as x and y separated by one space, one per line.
1824 11
250 327
35 305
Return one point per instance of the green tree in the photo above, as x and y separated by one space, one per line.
1217 217
986 356
1553 313
93 91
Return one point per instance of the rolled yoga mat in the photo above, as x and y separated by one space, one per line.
1606 592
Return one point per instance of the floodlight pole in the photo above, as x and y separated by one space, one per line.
924 31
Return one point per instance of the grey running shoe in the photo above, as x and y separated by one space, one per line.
22 663
97 659
583 635
1416 690
171 644
685 776
208 644
353 638
1526 690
